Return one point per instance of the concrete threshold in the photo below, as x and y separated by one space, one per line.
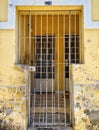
67 128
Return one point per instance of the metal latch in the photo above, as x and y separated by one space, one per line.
32 68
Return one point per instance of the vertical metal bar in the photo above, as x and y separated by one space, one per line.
70 59
43 101
80 30
69 37
75 36
54 110
40 70
29 54
52 64
64 66
27 94
19 52
58 71
43 107
24 38
29 73
32 106
46 63
35 66
30 38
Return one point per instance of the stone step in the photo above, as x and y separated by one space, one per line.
67 128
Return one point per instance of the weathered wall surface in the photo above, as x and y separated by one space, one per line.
12 86
86 107
12 108
13 114
88 73
86 85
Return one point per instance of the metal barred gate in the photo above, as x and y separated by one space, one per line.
48 44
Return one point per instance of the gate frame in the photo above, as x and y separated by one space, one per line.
28 68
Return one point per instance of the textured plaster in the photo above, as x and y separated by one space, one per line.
12 108
86 107
88 73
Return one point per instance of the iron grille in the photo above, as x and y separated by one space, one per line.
50 41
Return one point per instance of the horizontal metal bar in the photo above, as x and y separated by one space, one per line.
43 124
50 12
50 37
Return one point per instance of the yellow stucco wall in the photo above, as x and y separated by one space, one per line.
83 73
3 10
88 73
13 97
12 85
9 73
95 10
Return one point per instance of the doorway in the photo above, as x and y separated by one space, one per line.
49 42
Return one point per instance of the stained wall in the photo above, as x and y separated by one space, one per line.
85 77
